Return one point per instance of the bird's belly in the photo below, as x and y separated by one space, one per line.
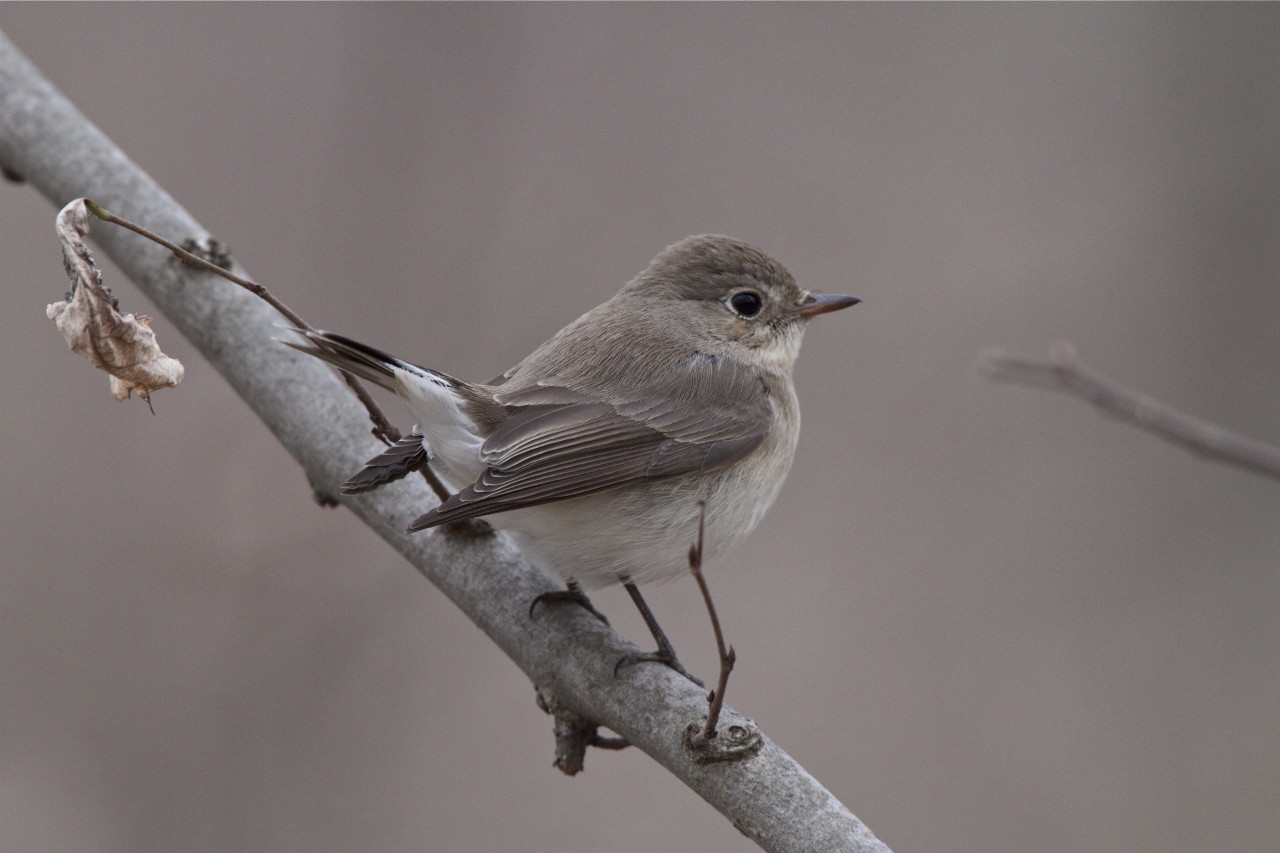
641 532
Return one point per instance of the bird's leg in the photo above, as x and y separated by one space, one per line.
572 593
666 653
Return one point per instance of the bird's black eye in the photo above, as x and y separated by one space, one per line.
747 303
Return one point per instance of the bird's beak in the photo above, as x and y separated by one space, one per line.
822 303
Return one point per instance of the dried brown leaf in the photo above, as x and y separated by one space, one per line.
123 345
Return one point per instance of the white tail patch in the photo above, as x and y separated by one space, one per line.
449 431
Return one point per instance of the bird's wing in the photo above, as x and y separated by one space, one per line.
562 443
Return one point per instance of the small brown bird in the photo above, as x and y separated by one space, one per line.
595 452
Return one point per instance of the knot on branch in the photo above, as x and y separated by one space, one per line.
574 733
736 738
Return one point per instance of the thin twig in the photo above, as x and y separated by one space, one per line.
600 741
197 261
383 429
573 734
715 699
1062 371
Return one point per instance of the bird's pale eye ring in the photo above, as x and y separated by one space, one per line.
746 303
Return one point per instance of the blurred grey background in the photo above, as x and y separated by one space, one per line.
986 617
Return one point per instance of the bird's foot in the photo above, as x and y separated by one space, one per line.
667 657
572 595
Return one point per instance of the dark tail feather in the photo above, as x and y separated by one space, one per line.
360 360
407 455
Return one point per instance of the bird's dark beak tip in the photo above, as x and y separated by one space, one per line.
824 303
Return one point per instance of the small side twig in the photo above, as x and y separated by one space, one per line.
1063 371
715 699
383 429
574 734
197 261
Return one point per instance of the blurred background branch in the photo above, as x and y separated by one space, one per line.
1064 372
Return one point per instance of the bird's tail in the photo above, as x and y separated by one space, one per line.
360 360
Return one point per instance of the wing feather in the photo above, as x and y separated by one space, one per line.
560 443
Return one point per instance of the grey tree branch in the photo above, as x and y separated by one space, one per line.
568 654
1062 371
